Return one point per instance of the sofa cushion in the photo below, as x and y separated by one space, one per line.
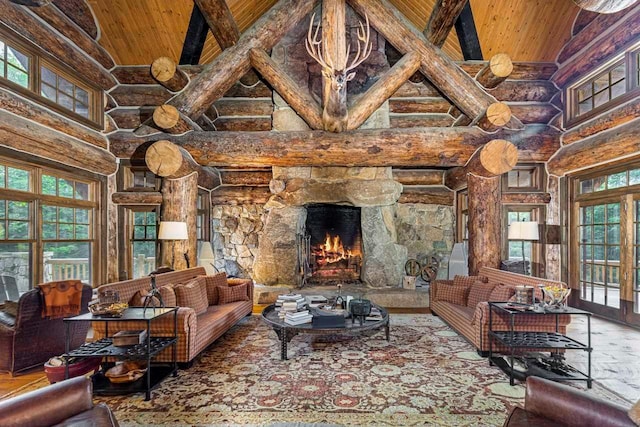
501 293
453 294
212 283
168 295
192 294
468 280
479 292
138 299
634 413
227 294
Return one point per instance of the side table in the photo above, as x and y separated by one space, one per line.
145 351
528 341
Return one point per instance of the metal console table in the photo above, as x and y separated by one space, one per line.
145 351
527 342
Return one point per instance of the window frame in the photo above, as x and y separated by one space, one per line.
537 178
38 58
630 58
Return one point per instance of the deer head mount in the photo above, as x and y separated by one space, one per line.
335 112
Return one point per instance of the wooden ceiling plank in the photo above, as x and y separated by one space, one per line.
220 21
442 18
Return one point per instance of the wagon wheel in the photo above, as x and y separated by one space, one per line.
412 267
428 273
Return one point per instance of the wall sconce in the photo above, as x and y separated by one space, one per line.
524 230
174 230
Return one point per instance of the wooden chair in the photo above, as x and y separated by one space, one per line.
10 287
3 293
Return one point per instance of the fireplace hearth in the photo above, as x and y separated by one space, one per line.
335 243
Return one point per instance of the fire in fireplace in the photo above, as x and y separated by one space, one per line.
335 251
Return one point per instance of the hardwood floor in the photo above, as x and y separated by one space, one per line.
10 383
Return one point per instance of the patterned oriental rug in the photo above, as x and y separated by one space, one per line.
426 375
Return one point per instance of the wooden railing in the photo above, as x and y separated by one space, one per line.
143 265
599 274
79 268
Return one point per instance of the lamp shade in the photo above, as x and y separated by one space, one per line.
173 230
523 230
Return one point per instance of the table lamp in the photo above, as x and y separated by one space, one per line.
174 230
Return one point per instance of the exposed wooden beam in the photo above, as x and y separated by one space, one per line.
612 118
194 39
416 147
218 76
32 111
62 23
239 195
382 89
443 16
496 71
165 71
167 160
79 12
418 176
604 6
21 134
432 195
468 35
525 198
244 177
298 97
32 3
493 159
220 21
457 85
616 143
137 198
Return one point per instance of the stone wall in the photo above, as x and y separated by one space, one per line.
426 231
236 231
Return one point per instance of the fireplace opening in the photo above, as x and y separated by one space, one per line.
335 246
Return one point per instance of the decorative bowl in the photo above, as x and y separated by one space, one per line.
54 368
126 372
556 296
108 309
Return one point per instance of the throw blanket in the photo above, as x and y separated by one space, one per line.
61 299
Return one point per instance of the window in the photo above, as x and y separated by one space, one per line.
202 218
143 242
523 178
533 251
609 181
140 178
63 92
462 234
47 226
15 65
24 68
611 85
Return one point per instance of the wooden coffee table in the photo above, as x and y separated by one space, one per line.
287 332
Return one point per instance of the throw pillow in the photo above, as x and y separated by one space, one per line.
212 283
227 294
468 280
138 299
168 296
192 294
501 293
453 294
479 292
634 413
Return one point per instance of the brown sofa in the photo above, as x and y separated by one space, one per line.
67 403
28 340
195 332
473 322
548 404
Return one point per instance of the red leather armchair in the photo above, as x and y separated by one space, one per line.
28 340
549 404
67 403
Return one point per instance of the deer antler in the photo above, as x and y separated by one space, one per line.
362 54
317 48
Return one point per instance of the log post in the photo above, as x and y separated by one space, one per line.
497 115
168 118
484 223
167 73
382 89
333 24
442 18
298 97
179 204
167 160
496 71
220 21
493 159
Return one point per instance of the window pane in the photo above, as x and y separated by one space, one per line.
2 209
138 232
144 258
613 234
82 232
598 234
18 179
82 216
585 106
65 188
17 76
48 92
613 253
613 213
16 267
600 98
3 176
66 231
49 231
81 109
618 89
598 214
601 82
49 185
634 177
49 213
18 59
48 76
18 210
617 180
599 183
618 73
584 91
66 215
82 96
18 230
586 186
69 260
65 101
82 191
65 86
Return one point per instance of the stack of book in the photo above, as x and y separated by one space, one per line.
290 303
315 300
375 314
298 318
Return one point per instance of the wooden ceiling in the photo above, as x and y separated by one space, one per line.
136 32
